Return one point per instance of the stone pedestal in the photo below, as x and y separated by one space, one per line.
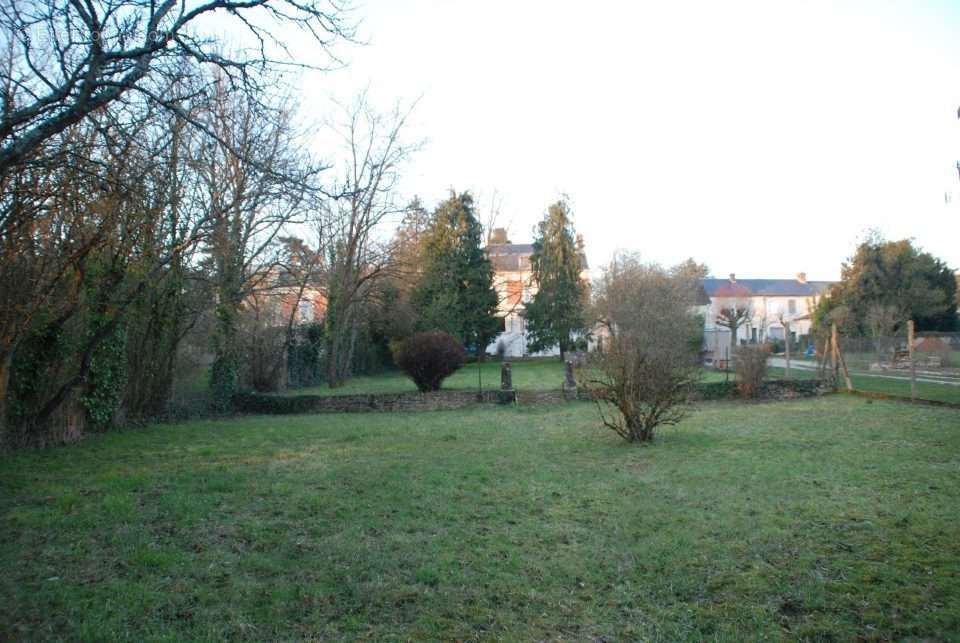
569 382
506 394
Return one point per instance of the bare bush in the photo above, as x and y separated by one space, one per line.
751 368
650 359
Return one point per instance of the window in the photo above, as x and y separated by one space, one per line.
306 311
792 306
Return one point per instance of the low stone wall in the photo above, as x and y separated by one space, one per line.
793 389
440 400
770 390
372 403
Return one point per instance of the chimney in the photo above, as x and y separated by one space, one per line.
802 277
733 277
498 236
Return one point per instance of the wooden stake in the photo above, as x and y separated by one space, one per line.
913 366
833 354
843 365
786 334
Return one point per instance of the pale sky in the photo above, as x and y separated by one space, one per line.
760 138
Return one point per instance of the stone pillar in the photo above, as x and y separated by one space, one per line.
506 395
569 383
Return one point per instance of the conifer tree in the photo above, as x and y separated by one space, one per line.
455 291
556 312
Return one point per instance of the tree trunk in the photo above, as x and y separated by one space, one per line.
5 363
336 353
332 363
224 376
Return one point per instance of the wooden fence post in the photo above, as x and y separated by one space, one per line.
834 367
913 366
838 360
786 334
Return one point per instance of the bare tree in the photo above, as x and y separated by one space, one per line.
275 309
732 314
63 61
83 238
249 206
82 85
375 152
882 321
650 359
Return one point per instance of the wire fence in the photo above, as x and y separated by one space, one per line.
923 365
924 368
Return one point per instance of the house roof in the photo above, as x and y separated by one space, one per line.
764 287
510 256
516 256
497 249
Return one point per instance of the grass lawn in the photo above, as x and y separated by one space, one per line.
925 390
827 519
528 374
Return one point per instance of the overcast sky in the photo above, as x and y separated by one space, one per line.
760 138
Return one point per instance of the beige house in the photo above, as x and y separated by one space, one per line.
273 300
772 304
513 280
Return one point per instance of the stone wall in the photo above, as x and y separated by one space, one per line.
372 403
439 400
793 389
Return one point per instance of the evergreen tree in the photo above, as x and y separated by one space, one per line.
895 277
557 310
455 291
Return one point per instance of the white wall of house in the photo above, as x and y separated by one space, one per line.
765 322
514 337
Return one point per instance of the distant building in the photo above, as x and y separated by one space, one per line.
513 280
771 303
272 302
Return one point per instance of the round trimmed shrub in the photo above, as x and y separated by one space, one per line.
429 358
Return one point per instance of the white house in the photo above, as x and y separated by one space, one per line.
770 303
513 280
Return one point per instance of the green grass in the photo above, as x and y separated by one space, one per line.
528 374
534 374
925 390
825 519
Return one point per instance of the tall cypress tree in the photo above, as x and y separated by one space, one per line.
557 310
455 291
